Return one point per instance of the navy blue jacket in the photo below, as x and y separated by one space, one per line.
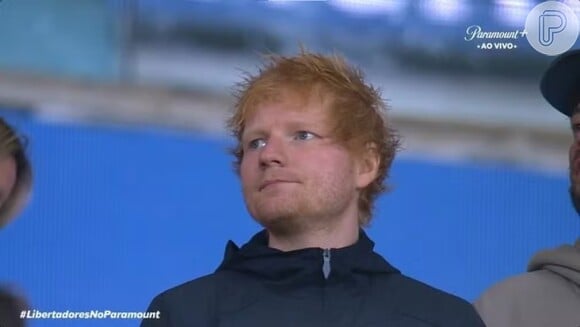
257 286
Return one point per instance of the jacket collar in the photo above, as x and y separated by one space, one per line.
256 258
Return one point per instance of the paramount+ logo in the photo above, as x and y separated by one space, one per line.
551 28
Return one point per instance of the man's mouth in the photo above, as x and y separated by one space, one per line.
272 182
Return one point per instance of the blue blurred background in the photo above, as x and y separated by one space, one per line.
123 104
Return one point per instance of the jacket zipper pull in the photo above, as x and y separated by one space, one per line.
326 263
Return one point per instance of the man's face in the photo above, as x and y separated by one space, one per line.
7 177
294 175
574 157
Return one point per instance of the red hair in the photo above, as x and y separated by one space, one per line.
357 111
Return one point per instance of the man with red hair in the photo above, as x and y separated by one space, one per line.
314 149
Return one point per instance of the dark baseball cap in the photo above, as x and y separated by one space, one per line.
560 84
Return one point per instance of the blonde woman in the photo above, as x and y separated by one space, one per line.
15 173
15 185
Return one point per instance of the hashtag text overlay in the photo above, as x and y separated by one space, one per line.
93 314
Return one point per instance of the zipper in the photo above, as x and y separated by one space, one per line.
326 268
326 263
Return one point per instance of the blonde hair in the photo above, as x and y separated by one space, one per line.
358 113
11 144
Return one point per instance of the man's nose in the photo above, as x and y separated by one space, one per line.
273 153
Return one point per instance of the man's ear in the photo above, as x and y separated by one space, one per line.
367 163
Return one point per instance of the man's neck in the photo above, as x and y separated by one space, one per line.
328 237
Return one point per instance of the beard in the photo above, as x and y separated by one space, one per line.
301 211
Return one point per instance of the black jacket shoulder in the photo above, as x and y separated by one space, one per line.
431 305
259 286
189 304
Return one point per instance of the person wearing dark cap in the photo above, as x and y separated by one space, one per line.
548 294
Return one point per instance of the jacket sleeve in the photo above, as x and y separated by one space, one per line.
186 305
496 305
492 310
474 319
162 316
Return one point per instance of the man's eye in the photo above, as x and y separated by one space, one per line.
304 135
257 143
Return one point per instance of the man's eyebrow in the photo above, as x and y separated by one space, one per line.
253 132
293 124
